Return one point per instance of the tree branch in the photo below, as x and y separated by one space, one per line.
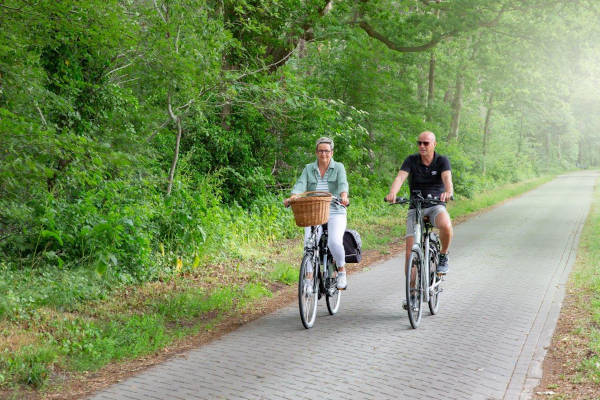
118 68
403 49
271 66
41 114
177 40
170 109
495 21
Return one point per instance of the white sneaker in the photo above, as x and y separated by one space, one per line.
341 280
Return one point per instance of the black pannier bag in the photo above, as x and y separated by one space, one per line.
352 245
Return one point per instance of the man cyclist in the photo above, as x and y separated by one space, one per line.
430 173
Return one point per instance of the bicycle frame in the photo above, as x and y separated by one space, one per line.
422 236
421 245
324 282
320 255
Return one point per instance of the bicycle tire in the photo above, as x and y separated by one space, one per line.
333 296
307 292
414 296
434 298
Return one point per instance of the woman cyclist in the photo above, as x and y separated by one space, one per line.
328 176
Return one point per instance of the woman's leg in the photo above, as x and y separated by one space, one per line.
335 241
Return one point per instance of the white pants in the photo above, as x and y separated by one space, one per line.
336 226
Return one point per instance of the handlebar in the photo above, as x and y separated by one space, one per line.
418 198
335 200
338 201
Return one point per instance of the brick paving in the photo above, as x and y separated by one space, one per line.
497 314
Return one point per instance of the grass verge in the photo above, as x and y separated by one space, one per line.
572 365
58 326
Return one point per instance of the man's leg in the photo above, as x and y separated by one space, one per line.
410 240
444 224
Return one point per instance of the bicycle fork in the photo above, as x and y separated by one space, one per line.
424 258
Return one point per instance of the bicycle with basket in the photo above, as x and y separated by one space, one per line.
318 272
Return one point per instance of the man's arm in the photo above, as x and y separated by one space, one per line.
448 187
396 185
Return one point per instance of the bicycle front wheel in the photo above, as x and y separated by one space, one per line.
307 292
414 292
434 279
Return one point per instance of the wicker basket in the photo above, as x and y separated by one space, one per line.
311 208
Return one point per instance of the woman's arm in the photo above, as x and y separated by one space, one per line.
343 185
299 187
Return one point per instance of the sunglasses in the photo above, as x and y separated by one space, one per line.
422 143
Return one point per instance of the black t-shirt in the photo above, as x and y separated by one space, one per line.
427 179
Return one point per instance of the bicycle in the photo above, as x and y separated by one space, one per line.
317 277
427 282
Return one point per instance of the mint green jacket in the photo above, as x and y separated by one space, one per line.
336 180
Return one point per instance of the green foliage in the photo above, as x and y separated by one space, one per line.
284 273
90 345
29 366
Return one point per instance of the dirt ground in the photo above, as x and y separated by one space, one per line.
561 379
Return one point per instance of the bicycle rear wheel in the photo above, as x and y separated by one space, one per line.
307 291
434 297
334 295
414 292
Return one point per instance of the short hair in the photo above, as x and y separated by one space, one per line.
324 140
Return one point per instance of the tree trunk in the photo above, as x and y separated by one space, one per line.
177 121
420 85
580 151
520 143
486 133
456 106
430 92
547 145
447 95
226 107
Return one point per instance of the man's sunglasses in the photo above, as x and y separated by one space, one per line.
422 143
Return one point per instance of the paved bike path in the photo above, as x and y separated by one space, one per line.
498 311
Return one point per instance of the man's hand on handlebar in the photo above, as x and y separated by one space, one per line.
446 196
390 198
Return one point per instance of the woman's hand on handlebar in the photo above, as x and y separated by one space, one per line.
344 199
286 202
